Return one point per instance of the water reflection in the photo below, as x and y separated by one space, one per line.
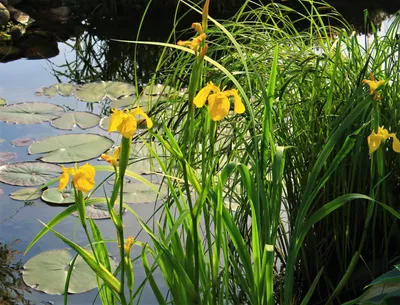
12 288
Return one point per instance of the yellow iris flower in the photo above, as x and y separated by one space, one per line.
375 140
218 101
128 245
373 85
113 160
124 121
194 44
82 178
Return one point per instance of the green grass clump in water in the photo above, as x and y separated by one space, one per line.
322 113
309 221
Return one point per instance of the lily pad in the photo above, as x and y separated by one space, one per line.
91 92
30 113
54 196
124 101
24 194
142 193
48 271
22 142
97 211
71 147
6 156
104 122
66 89
28 173
2 102
51 91
69 120
115 90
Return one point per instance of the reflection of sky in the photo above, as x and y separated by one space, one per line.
20 78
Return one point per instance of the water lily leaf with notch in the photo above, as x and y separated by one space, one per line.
115 90
54 196
69 120
97 211
2 102
24 194
71 147
141 159
6 156
91 92
30 113
104 122
48 271
28 173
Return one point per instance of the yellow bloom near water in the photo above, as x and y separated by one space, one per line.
193 44
376 138
218 101
373 85
124 121
82 177
113 160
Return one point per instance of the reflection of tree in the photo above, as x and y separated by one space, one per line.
106 59
12 287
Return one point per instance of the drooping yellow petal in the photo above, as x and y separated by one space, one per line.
116 119
194 44
139 111
128 126
238 105
218 106
396 144
374 141
201 97
64 178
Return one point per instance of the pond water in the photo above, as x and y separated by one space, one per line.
18 219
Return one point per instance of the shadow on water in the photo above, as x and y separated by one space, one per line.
12 287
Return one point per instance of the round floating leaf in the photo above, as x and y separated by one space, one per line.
125 101
104 123
54 196
24 194
142 193
91 92
28 173
48 271
22 142
6 156
71 147
30 113
51 91
97 211
115 90
69 120
66 89
2 102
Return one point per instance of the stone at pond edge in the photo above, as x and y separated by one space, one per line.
4 15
